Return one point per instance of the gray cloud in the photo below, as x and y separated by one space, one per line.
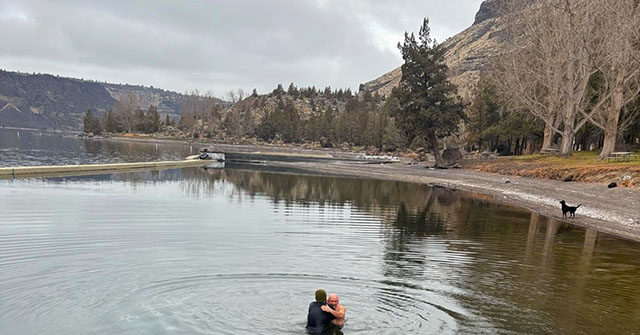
219 45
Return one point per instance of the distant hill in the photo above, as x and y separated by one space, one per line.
48 101
466 53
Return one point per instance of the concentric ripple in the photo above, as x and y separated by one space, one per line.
221 303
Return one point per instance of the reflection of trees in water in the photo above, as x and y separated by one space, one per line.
130 151
517 261
538 264
405 241
92 147
305 189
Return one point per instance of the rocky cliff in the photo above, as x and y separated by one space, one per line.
47 101
467 53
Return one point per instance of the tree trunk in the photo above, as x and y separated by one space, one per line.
613 116
546 139
566 144
433 145
568 133
529 148
608 146
549 133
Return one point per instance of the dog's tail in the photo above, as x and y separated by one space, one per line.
578 206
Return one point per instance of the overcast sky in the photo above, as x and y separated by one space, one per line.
219 45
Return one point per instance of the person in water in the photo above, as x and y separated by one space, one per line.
317 319
335 309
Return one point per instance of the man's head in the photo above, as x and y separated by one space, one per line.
321 295
333 299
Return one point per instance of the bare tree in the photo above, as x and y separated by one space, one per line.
234 96
618 69
126 108
238 119
547 68
193 108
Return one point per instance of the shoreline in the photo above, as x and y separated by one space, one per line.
612 211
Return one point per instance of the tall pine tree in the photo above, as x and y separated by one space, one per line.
429 103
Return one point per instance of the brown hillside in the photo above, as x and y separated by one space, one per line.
466 53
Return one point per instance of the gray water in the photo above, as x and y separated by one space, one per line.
241 250
21 147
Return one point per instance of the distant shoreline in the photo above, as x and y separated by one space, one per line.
613 211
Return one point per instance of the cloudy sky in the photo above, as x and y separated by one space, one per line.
219 45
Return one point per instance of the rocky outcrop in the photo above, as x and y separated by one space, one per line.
467 53
489 9
47 101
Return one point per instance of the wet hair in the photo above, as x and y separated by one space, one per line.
321 295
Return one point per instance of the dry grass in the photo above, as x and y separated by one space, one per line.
584 166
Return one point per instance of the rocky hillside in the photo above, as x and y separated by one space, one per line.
47 101
466 53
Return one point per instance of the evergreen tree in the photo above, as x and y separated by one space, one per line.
168 121
483 112
292 90
110 122
91 123
279 91
392 137
429 103
328 124
291 130
140 122
152 120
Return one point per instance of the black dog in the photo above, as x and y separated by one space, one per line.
570 209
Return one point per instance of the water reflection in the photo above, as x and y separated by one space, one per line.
20 147
499 260
405 258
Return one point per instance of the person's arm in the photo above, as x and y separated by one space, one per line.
339 313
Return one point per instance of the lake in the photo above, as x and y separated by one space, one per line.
241 250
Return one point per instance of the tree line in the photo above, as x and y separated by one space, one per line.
420 112
298 115
568 78
121 121
572 65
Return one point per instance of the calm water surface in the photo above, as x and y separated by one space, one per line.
20 147
241 251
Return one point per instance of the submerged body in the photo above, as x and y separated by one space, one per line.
318 320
